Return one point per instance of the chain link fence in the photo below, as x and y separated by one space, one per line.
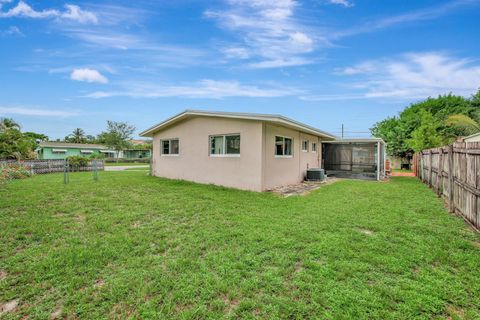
52 166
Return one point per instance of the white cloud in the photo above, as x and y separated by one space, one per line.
88 75
206 89
344 3
278 63
11 31
24 10
72 12
410 76
404 18
236 53
267 30
28 111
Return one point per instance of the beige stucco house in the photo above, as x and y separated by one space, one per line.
240 150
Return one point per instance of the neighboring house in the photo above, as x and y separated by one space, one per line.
241 150
61 150
473 138
136 153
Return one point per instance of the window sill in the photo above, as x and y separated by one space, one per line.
284 157
225 155
169 155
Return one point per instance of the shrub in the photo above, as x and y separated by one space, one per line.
14 170
77 162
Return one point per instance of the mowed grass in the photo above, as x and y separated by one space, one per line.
134 246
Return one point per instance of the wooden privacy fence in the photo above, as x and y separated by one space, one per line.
453 172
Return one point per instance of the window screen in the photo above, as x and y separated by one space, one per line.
305 145
225 145
283 146
170 146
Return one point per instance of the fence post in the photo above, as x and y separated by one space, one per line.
95 172
430 163
65 172
440 172
451 204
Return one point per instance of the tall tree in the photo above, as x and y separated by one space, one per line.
463 122
36 136
8 123
77 136
16 145
117 135
399 131
426 135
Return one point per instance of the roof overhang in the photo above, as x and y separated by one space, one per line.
355 140
271 118
472 136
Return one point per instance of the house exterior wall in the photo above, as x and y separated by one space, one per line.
194 161
47 153
278 171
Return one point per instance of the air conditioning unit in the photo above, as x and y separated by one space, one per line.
315 174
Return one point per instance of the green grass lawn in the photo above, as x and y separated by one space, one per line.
136 246
116 164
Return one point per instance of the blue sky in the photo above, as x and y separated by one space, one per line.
324 62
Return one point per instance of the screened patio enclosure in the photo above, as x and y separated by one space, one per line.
355 158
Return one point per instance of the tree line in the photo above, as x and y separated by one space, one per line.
15 144
431 123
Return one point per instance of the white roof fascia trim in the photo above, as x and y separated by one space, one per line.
246 116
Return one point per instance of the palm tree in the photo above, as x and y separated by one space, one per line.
464 122
7 124
77 136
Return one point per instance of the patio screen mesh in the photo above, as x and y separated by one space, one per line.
355 157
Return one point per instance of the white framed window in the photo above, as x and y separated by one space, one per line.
226 145
305 145
314 147
62 151
283 146
86 151
170 147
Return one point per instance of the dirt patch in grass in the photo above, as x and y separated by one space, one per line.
136 224
99 283
57 314
455 312
9 306
366 232
3 274
230 304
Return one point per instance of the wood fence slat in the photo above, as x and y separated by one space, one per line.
454 173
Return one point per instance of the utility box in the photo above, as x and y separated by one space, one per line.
315 174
